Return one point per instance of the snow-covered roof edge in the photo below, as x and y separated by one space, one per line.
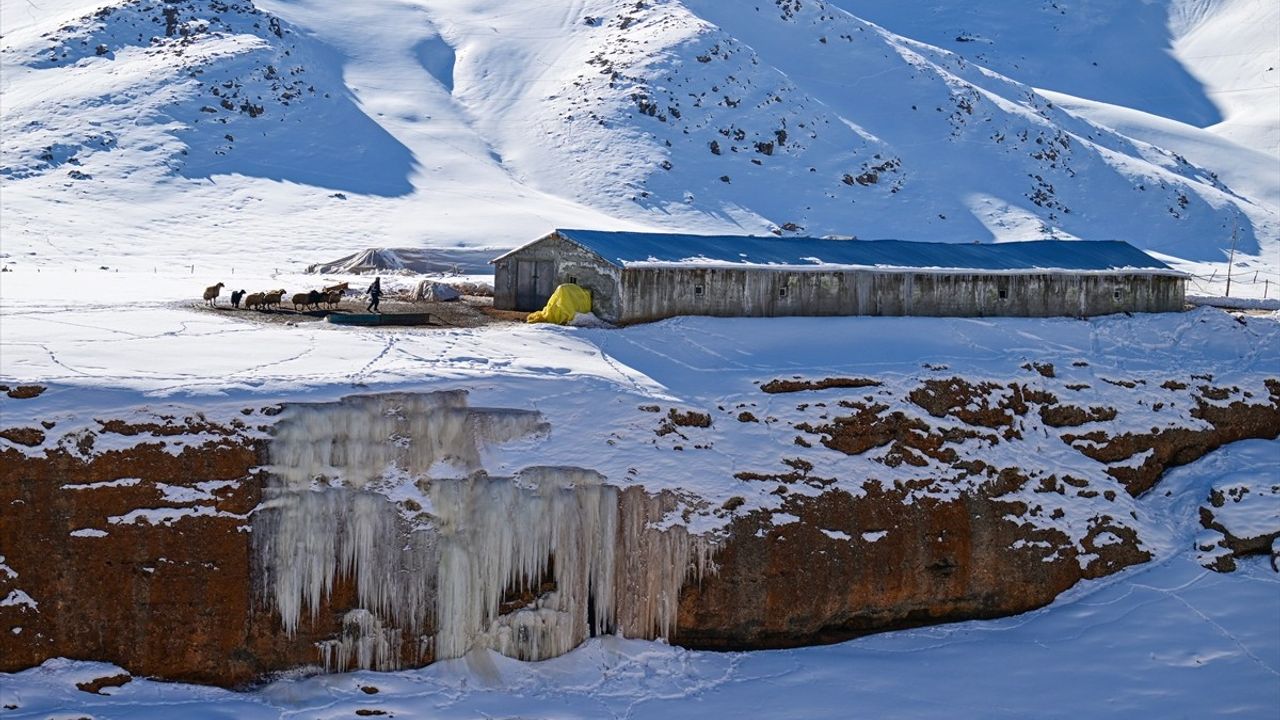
639 249
918 270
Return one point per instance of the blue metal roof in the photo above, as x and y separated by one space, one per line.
630 248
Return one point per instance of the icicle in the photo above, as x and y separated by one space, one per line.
496 534
608 554
476 575
364 644
305 540
655 563
360 438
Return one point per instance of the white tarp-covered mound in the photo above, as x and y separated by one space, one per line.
468 261
431 291
384 260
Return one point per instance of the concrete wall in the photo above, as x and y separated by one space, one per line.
645 294
655 293
570 263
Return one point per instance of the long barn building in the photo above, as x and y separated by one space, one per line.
639 277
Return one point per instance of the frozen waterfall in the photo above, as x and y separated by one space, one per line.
529 566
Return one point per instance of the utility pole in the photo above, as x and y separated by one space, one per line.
1232 260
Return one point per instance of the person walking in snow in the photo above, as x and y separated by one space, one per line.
375 295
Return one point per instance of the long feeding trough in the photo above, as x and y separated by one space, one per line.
376 319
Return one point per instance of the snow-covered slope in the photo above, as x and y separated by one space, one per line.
1207 63
1114 52
229 131
1252 173
1233 48
297 131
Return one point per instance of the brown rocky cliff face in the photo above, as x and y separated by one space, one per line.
881 565
176 598
933 560
156 599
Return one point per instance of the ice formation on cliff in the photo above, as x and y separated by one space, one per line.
610 567
306 539
529 566
359 439
364 643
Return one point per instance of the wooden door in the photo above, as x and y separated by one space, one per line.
535 281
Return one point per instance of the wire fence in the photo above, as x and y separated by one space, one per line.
1244 283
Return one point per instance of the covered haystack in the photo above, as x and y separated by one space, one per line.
431 291
460 261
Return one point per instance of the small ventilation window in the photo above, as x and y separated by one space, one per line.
782 292
573 279
697 289
1115 294
1004 294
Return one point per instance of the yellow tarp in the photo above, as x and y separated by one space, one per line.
567 301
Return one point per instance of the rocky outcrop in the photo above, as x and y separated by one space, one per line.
139 557
1240 517
840 566
852 566
132 542
1243 417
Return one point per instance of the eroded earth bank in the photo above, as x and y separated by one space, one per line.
221 542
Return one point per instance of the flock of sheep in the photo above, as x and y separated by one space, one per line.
328 298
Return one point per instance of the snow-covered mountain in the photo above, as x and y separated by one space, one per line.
1207 63
295 131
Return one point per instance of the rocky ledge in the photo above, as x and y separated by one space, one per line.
131 539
